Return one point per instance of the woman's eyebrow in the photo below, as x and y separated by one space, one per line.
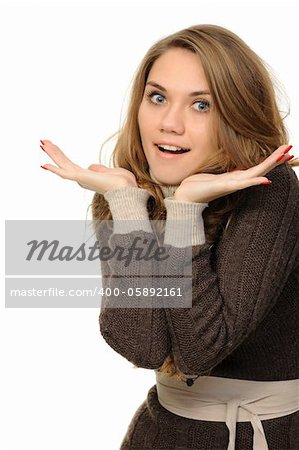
192 94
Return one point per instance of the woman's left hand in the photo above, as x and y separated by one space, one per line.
205 187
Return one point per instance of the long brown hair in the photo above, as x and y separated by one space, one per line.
249 124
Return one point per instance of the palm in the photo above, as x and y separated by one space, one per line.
96 177
204 187
209 186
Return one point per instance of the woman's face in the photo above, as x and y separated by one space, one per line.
176 111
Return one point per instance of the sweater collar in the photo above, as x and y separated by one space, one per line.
168 190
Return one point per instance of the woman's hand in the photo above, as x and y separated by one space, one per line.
205 187
96 177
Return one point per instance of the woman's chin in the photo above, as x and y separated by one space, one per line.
169 181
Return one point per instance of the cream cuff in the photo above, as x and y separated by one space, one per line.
184 225
128 208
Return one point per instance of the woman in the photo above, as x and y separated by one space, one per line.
202 131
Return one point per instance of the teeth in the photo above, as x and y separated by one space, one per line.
172 147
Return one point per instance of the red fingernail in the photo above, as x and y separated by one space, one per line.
267 182
290 157
280 158
42 142
287 149
42 148
44 167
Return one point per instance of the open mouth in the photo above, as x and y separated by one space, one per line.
172 150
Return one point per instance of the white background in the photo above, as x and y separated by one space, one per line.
66 73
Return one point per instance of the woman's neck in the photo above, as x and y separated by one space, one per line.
168 190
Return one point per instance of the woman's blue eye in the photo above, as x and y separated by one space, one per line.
202 105
157 98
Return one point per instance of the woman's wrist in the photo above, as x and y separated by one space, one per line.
181 198
124 185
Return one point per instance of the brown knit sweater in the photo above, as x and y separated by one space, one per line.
244 317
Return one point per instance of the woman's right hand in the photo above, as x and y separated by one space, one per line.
96 177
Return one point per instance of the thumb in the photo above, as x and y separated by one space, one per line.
97 167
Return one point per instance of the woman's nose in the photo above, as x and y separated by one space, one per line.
172 121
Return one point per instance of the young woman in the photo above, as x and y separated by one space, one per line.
203 129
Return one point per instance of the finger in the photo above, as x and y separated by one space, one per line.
238 185
284 156
57 170
281 154
243 184
57 155
276 158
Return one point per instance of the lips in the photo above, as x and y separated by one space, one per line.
170 155
172 149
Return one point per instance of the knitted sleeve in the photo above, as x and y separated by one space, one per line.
138 334
256 258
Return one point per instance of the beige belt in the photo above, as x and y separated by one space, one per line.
230 400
